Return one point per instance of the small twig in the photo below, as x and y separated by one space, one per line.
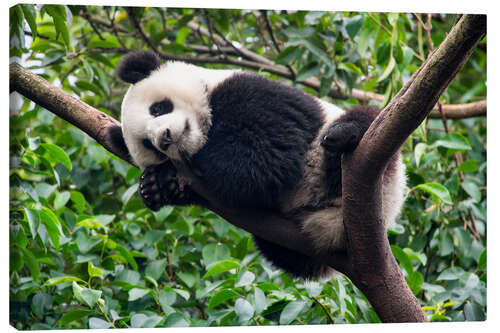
325 310
270 30
261 33
85 14
390 34
72 68
210 30
233 25
138 26
428 30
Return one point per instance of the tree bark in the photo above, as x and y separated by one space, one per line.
369 262
373 267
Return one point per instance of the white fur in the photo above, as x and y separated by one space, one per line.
187 86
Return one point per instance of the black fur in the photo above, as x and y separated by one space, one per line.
137 65
260 133
292 262
344 136
115 137
159 186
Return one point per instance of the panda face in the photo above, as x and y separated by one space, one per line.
167 114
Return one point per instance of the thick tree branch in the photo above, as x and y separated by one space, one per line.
374 269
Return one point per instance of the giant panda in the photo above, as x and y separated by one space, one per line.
253 142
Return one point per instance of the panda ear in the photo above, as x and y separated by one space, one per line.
115 139
137 65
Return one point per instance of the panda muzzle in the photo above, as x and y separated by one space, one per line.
165 140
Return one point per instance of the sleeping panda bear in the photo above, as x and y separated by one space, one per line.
253 142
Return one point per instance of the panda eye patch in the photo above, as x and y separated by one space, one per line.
160 108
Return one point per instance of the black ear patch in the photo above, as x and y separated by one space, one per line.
116 140
137 65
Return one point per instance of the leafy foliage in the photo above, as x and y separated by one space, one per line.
85 252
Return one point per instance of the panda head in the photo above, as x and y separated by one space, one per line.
165 112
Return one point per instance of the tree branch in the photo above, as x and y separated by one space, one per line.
374 268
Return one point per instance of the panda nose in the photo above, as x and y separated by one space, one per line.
165 140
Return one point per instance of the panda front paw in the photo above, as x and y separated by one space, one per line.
342 136
159 186
150 189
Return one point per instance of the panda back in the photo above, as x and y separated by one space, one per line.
256 146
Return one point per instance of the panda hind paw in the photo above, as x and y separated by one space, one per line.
342 137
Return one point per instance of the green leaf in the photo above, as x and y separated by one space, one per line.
388 70
62 279
51 223
468 166
99 323
60 23
438 191
129 193
16 262
61 199
78 200
403 258
88 86
291 311
474 312
93 271
472 190
419 152
317 47
289 55
215 252
188 278
445 243
74 315
21 240
30 16
260 300
140 320
86 296
90 223
350 68
221 267
156 268
243 309
453 273
176 320
308 71
481 264
125 253
33 220
363 41
136 293
31 262
57 154
182 33
454 141
221 297
245 279
415 280
353 25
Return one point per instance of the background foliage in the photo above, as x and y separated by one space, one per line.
85 252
